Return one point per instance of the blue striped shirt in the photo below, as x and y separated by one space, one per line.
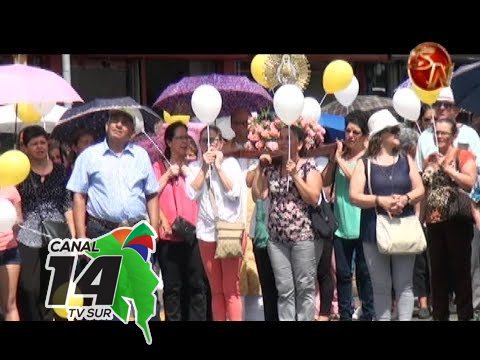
116 185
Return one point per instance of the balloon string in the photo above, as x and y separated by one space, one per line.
156 146
289 157
324 96
418 127
208 136
434 129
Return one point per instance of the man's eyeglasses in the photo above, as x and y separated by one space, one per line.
445 105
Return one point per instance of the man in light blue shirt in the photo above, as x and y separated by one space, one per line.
113 182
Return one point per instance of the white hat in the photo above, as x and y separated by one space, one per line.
446 95
225 125
381 120
137 118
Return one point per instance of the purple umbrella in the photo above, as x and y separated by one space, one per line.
406 84
236 92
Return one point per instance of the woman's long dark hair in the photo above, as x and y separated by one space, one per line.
169 135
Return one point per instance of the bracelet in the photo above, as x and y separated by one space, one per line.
376 200
409 199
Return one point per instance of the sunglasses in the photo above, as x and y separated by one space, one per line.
445 105
394 130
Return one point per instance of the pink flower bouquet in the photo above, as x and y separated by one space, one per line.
264 132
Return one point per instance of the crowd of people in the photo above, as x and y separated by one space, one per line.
382 167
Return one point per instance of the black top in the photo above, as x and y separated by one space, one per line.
50 198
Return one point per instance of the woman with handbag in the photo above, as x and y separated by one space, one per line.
293 185
184 293
386 184
215 183
346 242
45 200
448 176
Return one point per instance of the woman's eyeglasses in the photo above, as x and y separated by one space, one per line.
204 141
443 133
185 137
354 132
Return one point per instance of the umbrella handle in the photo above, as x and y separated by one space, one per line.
15 132
156 146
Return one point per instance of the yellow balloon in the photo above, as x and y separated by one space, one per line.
170 119
257 68
337 76
72 300
427 97
28 113
14 168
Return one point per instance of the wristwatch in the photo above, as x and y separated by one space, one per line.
408 199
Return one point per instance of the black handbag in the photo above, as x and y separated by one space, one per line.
460 206
51 229
324 222
182 228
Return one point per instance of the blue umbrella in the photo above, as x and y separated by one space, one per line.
94 115
466 87
334 126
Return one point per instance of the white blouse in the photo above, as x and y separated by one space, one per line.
228 202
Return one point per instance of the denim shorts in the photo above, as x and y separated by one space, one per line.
10 257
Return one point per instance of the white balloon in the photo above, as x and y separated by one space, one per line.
348 95
206 103
311 109
407 104
8 215
288 103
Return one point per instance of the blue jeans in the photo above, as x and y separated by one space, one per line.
344 249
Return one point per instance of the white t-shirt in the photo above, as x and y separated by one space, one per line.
228 203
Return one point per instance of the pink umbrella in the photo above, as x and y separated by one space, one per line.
29 84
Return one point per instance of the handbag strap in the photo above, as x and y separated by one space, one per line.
369 173
211 196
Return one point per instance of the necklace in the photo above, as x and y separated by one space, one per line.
385 172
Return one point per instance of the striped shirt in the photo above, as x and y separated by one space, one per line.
116 184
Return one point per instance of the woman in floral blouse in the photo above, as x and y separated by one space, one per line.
447 175
293 186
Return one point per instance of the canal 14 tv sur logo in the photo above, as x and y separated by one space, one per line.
117 276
